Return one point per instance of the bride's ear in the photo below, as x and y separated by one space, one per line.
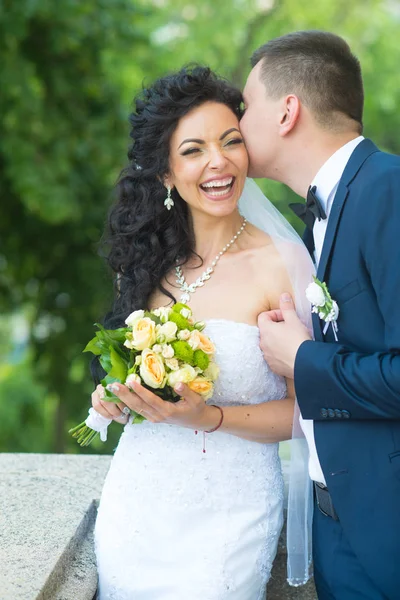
289 114
167 181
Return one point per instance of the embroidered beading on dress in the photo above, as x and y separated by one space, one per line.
177 524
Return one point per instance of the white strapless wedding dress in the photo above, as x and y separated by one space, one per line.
175 523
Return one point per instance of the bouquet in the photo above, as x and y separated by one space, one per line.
158 349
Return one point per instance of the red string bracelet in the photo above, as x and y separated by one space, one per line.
220 421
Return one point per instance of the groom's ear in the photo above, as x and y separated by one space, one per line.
289 114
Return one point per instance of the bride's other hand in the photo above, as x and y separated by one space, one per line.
191 411
109 410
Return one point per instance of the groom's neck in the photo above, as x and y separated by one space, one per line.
305 155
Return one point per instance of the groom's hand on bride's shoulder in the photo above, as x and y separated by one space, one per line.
281 335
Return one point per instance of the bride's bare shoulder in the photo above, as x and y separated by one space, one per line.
277 263
281 252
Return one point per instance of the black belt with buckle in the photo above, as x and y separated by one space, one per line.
324 501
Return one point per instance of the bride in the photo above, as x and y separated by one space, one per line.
179 521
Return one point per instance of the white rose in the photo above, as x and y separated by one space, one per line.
186 313
172 363
167 332
157 348
137 314
163 313
194 339
184 334
315 294
212 371
184 375
168 351
152 369
131 379
143 333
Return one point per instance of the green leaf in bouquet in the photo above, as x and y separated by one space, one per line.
117 335
105 361
119 366
137 418
114 338
154 318
93 346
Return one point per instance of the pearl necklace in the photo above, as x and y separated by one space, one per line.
200 281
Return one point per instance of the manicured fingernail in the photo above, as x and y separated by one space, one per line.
179 387
113 387
286 298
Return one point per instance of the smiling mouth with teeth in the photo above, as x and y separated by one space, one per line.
218 187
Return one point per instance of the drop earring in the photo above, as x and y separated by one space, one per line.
168 202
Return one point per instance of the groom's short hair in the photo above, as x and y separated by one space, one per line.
319 68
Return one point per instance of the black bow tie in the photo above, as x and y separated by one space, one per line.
311 210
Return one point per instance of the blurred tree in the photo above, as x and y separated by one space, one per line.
62 142
68 72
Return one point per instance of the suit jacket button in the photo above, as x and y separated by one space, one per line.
338 413
323 413
345 414
331 413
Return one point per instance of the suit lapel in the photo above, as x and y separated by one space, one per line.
359 156
333 222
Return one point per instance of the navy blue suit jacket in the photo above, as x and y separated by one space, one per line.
351 388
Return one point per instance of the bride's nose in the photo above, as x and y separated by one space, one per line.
217 159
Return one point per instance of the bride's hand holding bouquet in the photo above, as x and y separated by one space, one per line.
157 352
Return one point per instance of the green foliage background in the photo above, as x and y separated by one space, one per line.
68 73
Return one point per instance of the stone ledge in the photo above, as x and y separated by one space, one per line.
47 516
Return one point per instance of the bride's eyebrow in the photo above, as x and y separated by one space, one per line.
197 141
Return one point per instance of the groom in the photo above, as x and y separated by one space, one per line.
302 126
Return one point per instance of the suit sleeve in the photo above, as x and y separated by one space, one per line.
367 386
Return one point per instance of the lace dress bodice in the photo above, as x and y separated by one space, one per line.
193 524
245 377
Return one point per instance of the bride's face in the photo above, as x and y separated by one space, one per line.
208 159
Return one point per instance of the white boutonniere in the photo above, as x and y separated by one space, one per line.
327 309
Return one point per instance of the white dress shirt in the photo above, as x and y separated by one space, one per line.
327 181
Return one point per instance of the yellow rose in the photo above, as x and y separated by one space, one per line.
143 333
183 375
202 386
152 369
199 341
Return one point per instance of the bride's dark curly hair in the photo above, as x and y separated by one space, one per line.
144 238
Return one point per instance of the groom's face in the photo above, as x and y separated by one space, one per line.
260 126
